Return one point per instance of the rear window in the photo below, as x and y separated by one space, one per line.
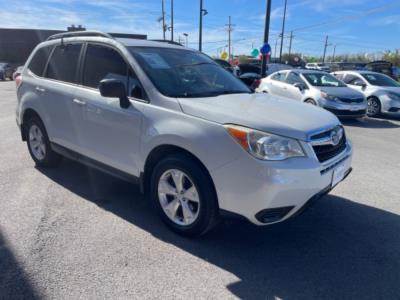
39 60
63 64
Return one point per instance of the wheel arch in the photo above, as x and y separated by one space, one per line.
162 151
26 115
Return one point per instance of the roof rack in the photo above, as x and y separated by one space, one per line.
78 33
168 42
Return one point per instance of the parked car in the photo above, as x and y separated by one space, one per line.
381 66
256 68
193 136
17 72
381 91
317 88
252 80
6 71
318 67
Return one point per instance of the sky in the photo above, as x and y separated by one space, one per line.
354 26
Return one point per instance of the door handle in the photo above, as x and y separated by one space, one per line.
40 90
79 102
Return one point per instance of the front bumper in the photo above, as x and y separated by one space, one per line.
389 105
250 187
344 109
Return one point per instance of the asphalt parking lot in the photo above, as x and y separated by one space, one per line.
72 232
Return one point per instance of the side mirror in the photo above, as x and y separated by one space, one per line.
300 86
113 88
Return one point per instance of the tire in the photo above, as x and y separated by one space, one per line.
374 108
203 209
39 144
311 101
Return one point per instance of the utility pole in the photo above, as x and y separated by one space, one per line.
172 20
163 18
283 31
266 37
276 46
201 26
290 43
326 46
334 52
230 29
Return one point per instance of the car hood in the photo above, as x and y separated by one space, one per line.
342 92
390 89
262 112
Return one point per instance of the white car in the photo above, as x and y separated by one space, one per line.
381 91
193 136
317 88
318 67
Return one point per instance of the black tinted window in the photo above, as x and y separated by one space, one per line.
39 60
103 63
63 63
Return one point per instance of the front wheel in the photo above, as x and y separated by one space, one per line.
374 107
183 194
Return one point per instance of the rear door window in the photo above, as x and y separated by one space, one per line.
39 60
63 64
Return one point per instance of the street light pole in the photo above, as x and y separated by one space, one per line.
266 37
187 41
283 31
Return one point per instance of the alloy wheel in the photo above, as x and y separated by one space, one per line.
373 107
178 197
36 142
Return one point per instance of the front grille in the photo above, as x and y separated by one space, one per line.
340 112
326 152
350 100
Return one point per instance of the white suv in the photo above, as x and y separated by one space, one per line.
194 137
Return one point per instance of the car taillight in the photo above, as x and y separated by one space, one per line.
256 83
18 81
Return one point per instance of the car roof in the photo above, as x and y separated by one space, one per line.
127 42
305 71
356 72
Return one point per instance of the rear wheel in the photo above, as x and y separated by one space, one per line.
39 144
183 194
374 107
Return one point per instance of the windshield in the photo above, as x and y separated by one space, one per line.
321 79
380 80
184 73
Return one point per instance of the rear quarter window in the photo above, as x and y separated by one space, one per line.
39 60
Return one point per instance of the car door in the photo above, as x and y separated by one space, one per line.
355 82
276 84
110 134
292 91
56 90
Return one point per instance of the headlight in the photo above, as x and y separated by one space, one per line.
393 96
265 146
329 97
